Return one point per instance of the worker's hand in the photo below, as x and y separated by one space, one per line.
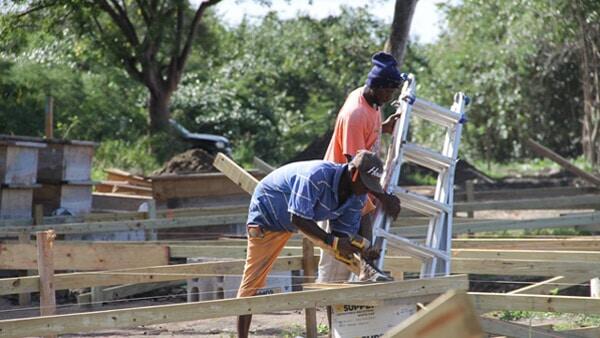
371 253
388 125
390 204
343 246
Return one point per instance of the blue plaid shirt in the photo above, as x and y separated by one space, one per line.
306 189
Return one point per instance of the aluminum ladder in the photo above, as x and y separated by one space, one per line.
435 252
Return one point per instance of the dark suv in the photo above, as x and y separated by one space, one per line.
211 143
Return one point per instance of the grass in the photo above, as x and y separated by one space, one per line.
135 157
527 168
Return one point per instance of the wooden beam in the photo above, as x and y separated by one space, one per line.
96 256
584 332
589 201
545 152
559 256
138 275
79 228
570 220
503 267
509 194
127 290
236 173
94 321
510 329
449 316
487 302
554 244
239 251
45 259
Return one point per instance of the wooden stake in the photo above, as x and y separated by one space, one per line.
49 117
309 267
24 298
45 242
469 188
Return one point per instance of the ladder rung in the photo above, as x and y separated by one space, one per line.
426 157
412 248
434 113
420 203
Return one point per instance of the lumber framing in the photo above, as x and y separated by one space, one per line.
589 201
487 302
590 243
126 225
139 275
571 220
96 256
509 329
94 321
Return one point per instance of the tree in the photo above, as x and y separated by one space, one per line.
150 39
587 24
398 40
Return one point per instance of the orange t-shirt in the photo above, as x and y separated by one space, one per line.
357 127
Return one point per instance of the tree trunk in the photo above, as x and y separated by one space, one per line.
590 77
159 111
396 43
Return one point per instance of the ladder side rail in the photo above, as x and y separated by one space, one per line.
393 166
459 107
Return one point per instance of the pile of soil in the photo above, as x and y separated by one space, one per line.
194 161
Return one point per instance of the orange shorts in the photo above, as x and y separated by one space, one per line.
263 249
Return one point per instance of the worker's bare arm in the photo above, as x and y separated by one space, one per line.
341 244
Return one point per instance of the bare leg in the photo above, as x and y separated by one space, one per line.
243 325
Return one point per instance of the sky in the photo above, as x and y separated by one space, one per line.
425 25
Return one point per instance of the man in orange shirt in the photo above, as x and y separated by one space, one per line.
358 126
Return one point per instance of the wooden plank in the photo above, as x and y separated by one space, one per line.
510 329
449 316
126 225
589 201
575 256
570 220
184 251
487 302
236 173
545 152
509 194
554 244
113 174
503 267
116 201
585 332
139 275
123 291
96 256
94 321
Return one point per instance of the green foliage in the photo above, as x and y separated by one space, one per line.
280 83
510 57
134 156
515 315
